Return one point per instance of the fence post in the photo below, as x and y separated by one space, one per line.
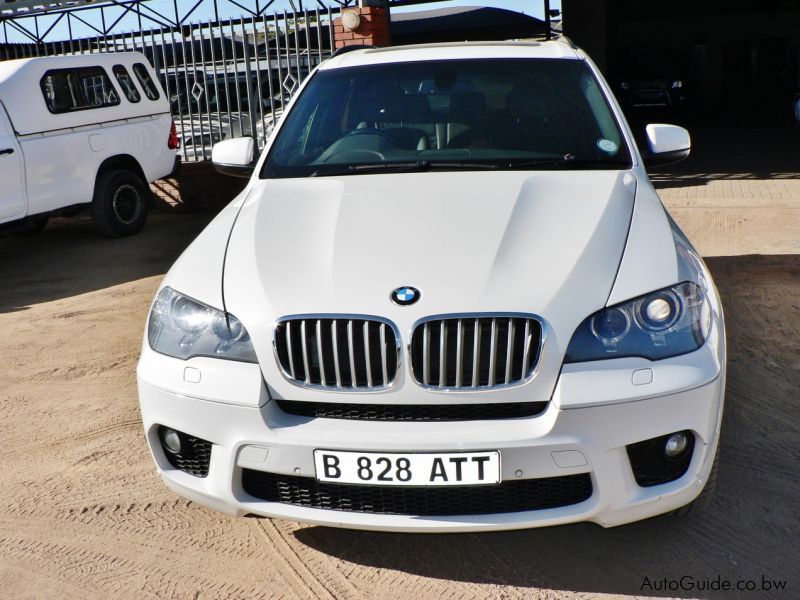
365 25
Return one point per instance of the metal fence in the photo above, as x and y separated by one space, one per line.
223 78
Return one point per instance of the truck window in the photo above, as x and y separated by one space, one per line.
126 83
68 90
147 83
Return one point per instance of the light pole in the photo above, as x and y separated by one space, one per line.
547 19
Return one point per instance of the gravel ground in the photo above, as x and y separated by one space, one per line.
83 515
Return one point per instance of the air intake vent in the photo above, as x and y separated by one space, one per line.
506 497
474 352
479 411
344 353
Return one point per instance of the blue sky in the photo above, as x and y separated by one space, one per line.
228 10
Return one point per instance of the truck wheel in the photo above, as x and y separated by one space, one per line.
120 203
703 501
37 225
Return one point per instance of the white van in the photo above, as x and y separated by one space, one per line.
82 130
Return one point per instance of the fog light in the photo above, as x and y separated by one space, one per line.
171 440
676 444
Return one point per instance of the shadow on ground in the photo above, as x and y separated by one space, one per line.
70 258
752 529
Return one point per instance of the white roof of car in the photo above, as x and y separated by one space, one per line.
560 48
10 68
21 92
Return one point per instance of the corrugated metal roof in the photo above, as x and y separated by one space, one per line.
463 23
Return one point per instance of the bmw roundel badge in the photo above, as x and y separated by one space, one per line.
405 296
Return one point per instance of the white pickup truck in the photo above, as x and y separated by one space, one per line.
77 131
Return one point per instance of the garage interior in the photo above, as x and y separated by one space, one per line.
738 66
737 60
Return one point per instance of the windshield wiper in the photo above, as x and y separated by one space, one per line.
333 170
402 166
466 166
408 166
569 162
420 165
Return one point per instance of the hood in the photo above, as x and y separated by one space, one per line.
547 243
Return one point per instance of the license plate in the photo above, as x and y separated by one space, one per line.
411 469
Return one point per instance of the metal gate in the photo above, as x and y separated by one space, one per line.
223 78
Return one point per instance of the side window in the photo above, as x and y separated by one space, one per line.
126 83
55 96
97 88
68 90
147 83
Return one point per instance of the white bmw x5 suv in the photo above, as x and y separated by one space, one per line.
448 299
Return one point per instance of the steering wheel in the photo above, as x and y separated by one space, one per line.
365 131
354 156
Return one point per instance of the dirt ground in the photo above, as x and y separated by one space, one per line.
83 515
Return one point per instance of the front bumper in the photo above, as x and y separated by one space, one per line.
569 438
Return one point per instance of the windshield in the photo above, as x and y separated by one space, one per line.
449 115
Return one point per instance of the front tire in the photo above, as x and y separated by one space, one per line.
37 225
120 203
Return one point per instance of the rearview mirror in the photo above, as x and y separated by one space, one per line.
667 145
235 157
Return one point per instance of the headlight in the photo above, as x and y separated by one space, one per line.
677 84
183 328
669 322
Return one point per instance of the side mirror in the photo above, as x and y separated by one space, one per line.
235 157
667 145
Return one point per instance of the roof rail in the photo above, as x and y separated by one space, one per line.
346 49
568 41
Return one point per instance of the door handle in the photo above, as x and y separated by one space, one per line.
7 151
